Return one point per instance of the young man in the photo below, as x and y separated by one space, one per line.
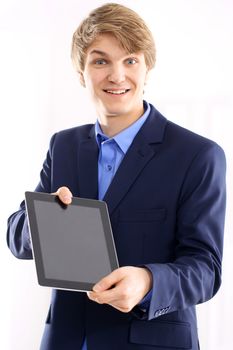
165 190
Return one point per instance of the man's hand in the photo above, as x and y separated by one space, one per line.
123 289
64 195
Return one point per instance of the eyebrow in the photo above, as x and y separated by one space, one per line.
98 52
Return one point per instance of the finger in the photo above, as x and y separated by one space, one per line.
93 296
64 195
101 299
109 281
114 303
112 300
106 297
121 308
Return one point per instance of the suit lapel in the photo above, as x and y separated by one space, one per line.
142 150
88 167
128 171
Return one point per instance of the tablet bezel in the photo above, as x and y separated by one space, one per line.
30 198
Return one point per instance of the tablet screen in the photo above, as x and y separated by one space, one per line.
73 245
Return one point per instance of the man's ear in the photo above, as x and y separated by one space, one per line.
81 79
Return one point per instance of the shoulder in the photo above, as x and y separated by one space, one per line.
191 143
80 131
182 140
72 135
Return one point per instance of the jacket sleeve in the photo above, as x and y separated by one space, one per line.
18 238
195 274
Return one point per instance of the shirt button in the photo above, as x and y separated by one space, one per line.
109 167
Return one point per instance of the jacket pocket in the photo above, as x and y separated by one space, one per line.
139 215
170 335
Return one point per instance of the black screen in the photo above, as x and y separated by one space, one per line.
72 242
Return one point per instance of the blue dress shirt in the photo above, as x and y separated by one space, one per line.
111 152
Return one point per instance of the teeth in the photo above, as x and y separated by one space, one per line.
118 92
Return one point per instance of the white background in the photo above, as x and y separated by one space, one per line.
40 94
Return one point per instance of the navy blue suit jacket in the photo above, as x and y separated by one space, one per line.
167 206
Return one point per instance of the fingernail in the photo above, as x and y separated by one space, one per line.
67 198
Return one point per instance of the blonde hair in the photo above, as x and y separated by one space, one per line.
125 24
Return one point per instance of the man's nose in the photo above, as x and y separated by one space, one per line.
116 74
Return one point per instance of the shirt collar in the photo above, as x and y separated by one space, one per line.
126 136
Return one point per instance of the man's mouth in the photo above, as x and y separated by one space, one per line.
117 92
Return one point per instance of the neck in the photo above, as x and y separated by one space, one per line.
113 125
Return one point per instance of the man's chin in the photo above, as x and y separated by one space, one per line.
113 113
116 115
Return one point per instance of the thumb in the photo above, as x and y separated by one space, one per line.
64 195
108 281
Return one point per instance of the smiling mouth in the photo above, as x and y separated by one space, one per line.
117 92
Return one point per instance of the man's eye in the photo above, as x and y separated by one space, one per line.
131 61
100 62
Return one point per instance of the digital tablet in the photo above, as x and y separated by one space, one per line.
73 245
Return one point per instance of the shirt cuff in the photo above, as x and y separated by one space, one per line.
145 302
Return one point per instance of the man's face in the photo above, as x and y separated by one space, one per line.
115 79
